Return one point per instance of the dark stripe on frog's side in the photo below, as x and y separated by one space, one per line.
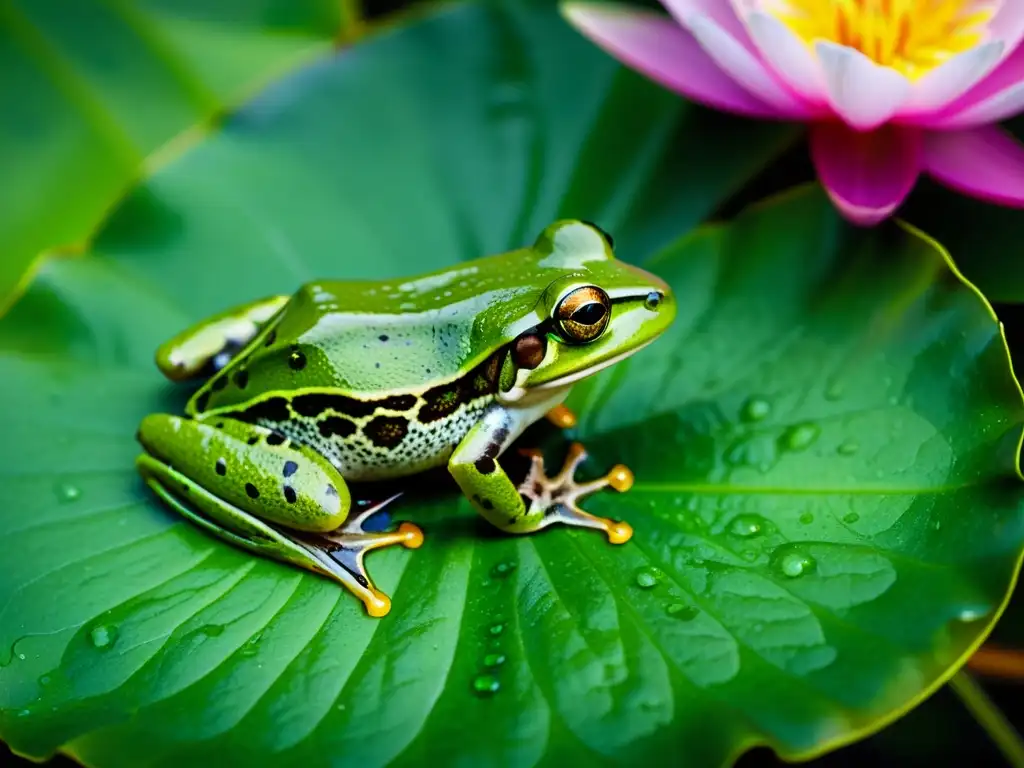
444 399
333 413
387 431
315 404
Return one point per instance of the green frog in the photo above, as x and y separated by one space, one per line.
369 381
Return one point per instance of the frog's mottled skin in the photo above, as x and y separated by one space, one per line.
375 380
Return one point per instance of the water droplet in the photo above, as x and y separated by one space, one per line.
211 630
647 578
486 685
755 409
851 517
24 712
682 611
938 524
806 518
68 492
21 656
44 680
795 563
492 660
799 436
834 391
103 636
848 448
745 526
496 629
973 613
501 570
251 647
749 555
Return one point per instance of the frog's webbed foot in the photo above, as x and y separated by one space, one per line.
554 499
342 552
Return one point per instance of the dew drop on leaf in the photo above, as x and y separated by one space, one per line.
68 492
848 448
252 645
834 391
795 563
756 409
682 611
503 569
492 660
103 636
806 518
851 517
745 526
496 629
647 578
973 613
799 436
485 685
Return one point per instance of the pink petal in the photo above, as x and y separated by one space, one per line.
788 56
952 78
982 162
861 92
665 52
744 67
1008 24
718 11
996 97
867 175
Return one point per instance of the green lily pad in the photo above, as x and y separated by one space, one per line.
827 508
91 88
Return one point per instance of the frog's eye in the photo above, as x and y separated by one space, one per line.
583 314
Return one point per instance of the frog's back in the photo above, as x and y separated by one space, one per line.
383 378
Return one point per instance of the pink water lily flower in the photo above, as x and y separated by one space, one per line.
889 88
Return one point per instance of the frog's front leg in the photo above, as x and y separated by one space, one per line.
205 348
259 490
539 500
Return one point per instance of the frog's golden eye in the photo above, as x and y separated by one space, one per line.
583 314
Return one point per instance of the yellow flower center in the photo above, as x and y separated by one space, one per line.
911 36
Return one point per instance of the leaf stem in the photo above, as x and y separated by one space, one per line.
990 718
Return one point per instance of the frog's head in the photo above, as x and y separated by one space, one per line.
595 311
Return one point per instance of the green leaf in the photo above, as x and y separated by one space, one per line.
827 508
91 88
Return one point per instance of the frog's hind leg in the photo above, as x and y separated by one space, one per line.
205 348
256 489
